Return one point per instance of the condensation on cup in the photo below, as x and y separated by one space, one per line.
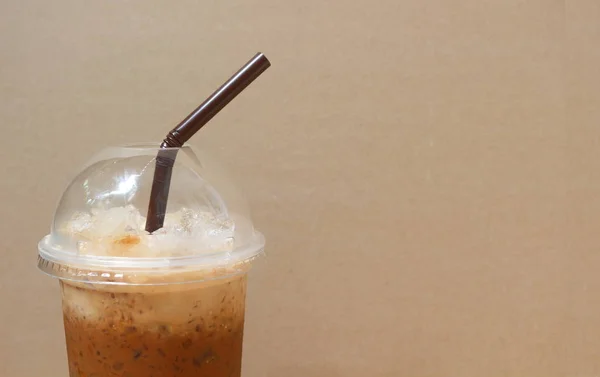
170 303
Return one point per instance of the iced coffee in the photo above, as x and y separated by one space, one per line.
140 304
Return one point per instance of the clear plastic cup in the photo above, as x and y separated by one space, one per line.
135 304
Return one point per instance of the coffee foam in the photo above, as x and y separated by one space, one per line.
145 305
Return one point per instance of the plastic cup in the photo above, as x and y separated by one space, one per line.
135 304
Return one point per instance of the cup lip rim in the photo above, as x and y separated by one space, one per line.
216 259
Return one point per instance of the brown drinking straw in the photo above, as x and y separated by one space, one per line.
175 139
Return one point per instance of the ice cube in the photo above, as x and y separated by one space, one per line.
111 222
116 221
80 222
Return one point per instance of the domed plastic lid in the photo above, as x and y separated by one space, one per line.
98 233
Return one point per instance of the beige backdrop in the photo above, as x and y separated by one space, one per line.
427 172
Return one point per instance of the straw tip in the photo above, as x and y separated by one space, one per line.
262 56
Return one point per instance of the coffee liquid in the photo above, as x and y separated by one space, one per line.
186 330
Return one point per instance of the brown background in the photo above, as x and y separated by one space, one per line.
427 172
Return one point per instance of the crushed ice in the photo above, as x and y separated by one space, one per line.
185 232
